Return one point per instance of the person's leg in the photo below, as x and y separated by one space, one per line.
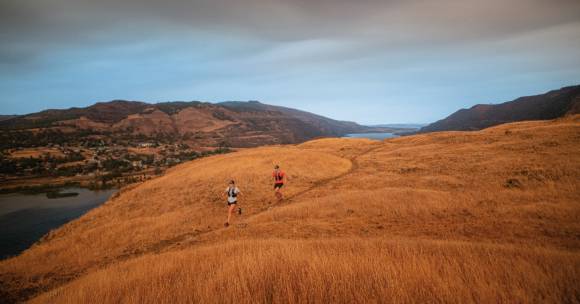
278 193
230 210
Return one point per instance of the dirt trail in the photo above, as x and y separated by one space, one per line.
354 166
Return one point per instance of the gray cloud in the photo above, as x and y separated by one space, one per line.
30 26
284 50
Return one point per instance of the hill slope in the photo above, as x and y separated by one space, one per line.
6 117
488 216
237 124
551 105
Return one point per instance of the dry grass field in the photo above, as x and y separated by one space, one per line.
486 217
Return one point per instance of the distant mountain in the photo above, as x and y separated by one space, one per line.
551 105
233 123
316 123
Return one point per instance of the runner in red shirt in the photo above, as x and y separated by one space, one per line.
279 178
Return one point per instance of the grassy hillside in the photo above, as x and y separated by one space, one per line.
485 216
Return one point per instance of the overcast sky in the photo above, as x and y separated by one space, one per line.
368 61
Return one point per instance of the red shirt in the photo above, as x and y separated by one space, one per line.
279 177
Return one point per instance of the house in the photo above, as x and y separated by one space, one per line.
146 145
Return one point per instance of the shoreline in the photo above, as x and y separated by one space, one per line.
36 185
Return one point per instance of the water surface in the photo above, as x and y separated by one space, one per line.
375 136
25 218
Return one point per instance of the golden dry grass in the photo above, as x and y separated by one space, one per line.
333 271
489 216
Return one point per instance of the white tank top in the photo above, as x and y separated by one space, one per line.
232 194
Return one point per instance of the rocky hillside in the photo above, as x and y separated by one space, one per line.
454 217
236 124
554 104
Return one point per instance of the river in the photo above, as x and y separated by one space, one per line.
375 136
25 218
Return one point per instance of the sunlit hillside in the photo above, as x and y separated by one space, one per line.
489 216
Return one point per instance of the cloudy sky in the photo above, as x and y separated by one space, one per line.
370 61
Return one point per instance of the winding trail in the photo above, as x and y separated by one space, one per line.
354 166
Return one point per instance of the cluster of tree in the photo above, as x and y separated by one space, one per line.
146 159
11 139
44 165
115 171
7 166
69 170
70 157
49 137
191 155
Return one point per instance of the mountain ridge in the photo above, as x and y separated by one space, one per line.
237 123
550 105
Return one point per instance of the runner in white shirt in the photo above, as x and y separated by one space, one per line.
232 193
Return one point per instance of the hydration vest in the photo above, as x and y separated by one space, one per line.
232 192
279 176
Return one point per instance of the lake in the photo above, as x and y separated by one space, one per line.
25 218
375 136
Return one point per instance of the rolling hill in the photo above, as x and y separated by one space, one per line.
235 124
551 105
465 217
